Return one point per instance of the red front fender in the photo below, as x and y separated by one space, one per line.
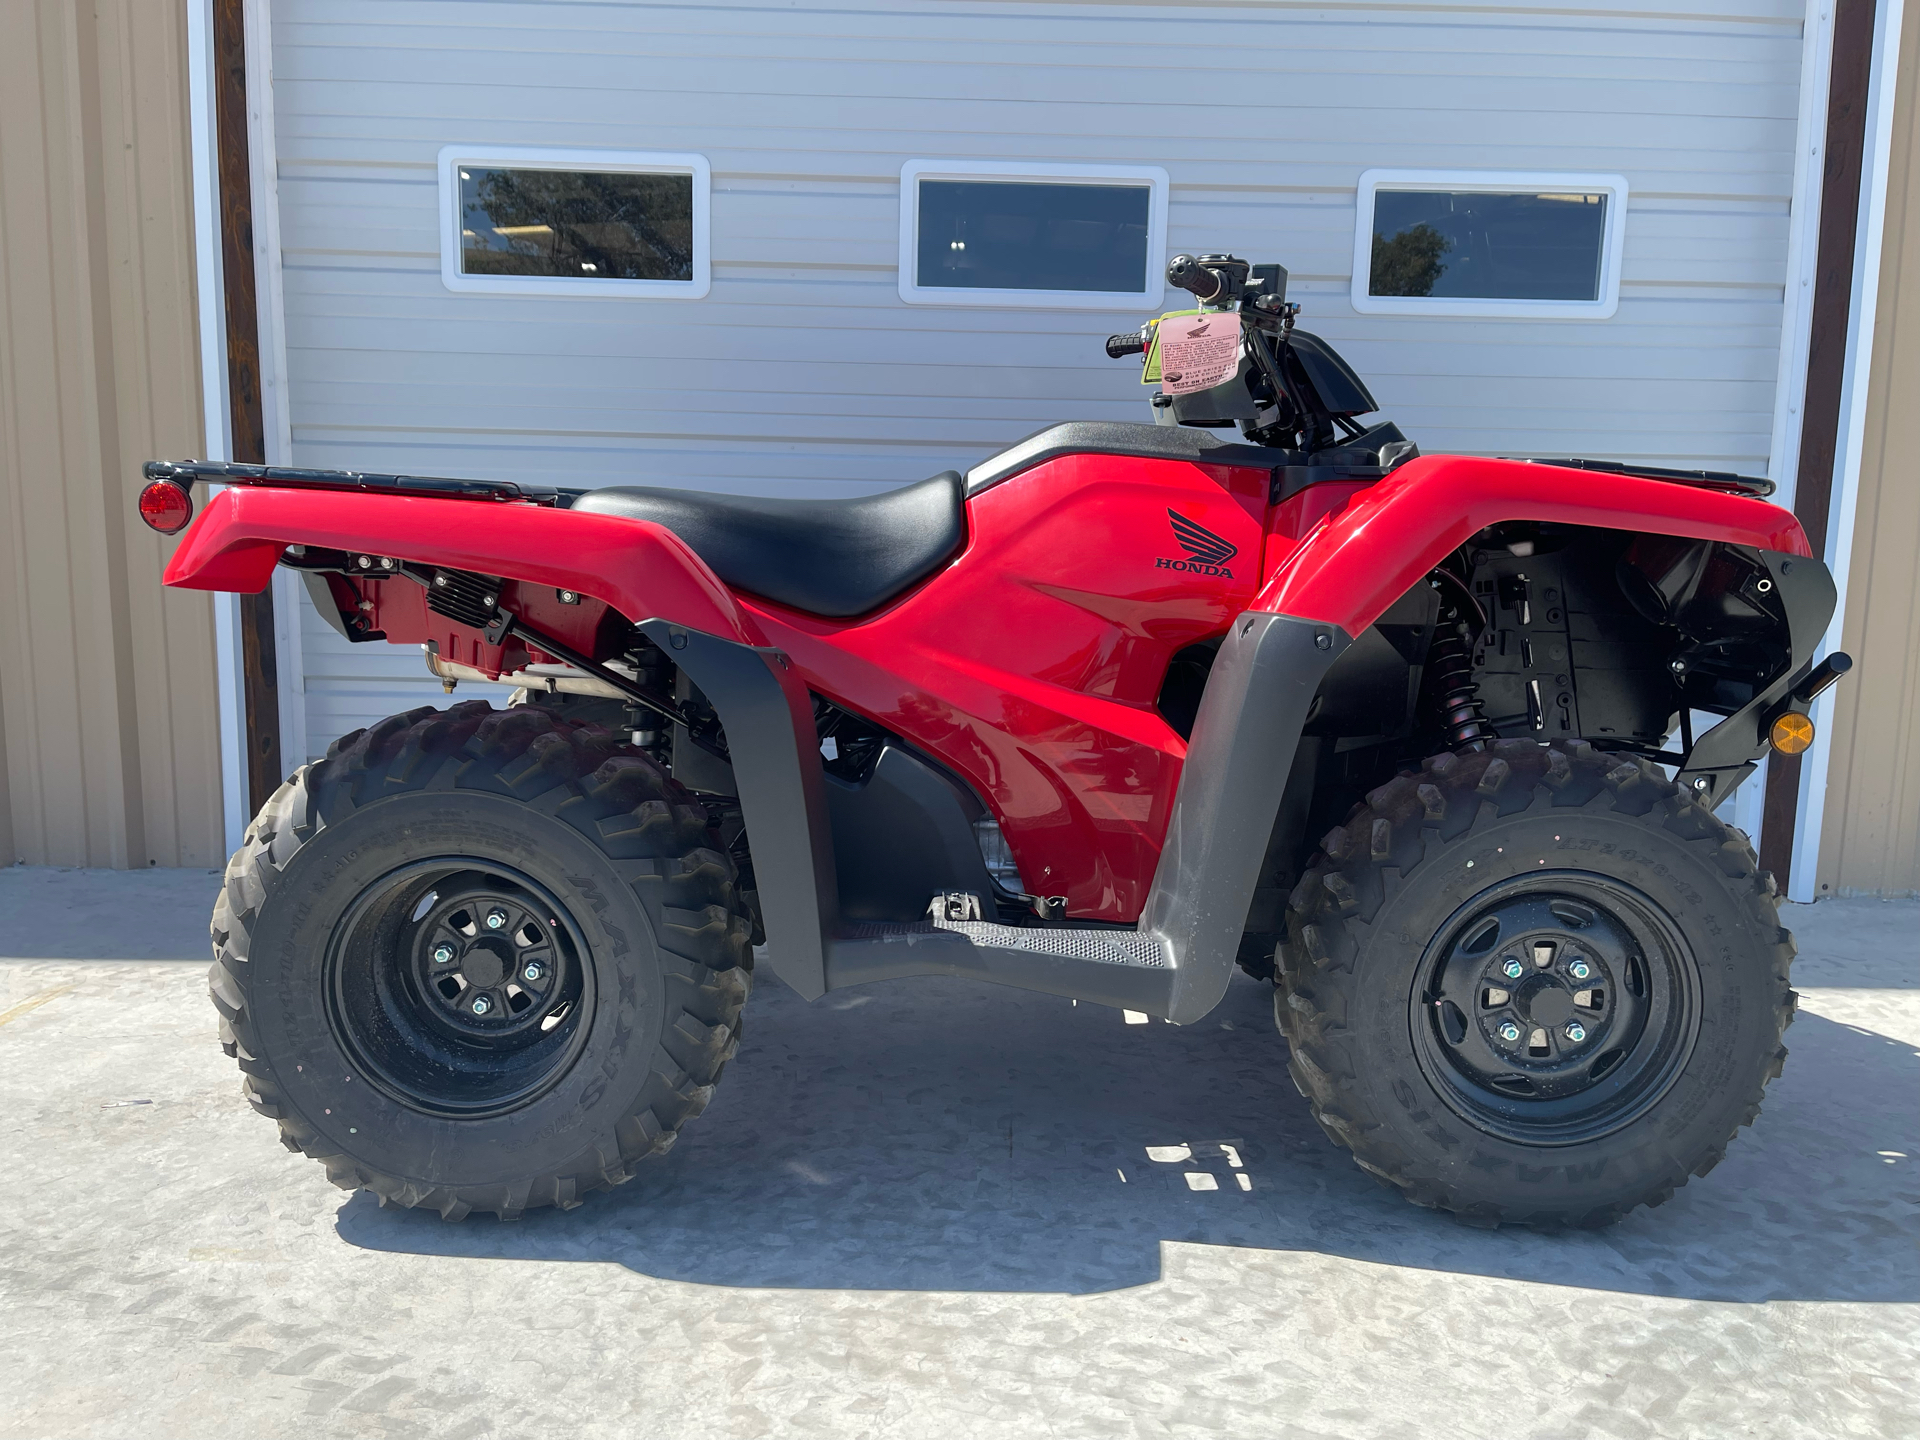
1350 569
638 568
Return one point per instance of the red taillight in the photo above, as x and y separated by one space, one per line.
166 507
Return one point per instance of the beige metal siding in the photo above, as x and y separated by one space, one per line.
108 704
1870 838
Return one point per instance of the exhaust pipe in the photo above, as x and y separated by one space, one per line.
536 679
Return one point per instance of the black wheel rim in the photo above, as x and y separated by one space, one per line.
1555 1008
458 987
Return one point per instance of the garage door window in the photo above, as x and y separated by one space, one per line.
1031 235
1482 244
589 223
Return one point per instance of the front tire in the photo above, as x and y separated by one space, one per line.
1535 984
476 960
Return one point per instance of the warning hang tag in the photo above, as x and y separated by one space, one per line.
1150 372
1198 352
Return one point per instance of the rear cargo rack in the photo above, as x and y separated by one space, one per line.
185 472
1706 479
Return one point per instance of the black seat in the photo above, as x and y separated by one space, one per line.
827 557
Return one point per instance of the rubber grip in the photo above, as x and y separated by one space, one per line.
1186 273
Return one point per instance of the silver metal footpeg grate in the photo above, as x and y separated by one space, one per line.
1106 947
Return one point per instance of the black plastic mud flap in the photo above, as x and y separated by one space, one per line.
1175 964
1251 715
775 753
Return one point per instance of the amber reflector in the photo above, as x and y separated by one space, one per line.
1791 733
166 507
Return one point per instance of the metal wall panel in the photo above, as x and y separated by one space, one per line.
108 715
1870 833
803 371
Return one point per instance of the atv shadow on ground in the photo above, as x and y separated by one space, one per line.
942 1135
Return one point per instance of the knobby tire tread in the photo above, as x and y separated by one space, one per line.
660 840
1410 822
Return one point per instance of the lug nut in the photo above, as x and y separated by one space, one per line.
495 919
481 1005
1509 1032
1576 1032
442 954
534 970
1579 970
1513 969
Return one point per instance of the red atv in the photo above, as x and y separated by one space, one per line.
1123 705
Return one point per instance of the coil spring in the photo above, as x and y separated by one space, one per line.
1450 671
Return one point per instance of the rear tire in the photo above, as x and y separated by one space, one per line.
1535 985
480 960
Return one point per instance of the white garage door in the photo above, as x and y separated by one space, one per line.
803 370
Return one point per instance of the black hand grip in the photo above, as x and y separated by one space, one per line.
1119 346
1186 273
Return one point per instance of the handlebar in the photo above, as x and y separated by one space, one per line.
1201 281
1219 281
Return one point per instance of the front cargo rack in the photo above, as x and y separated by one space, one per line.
1724 480
185 472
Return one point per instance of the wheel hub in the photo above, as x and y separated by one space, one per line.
1548 1004
1554 1008
459 987
482 969
485 961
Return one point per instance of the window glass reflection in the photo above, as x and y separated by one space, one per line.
1479 246
1018 235
578 225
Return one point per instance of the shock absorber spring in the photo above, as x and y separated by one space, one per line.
1455 696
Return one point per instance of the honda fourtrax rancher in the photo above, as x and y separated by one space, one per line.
1412 737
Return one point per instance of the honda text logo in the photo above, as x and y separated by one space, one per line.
1207 553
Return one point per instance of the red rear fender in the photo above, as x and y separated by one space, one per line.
1372 552
638 568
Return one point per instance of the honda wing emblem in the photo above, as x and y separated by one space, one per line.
1207 553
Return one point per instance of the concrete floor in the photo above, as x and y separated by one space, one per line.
925 1209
